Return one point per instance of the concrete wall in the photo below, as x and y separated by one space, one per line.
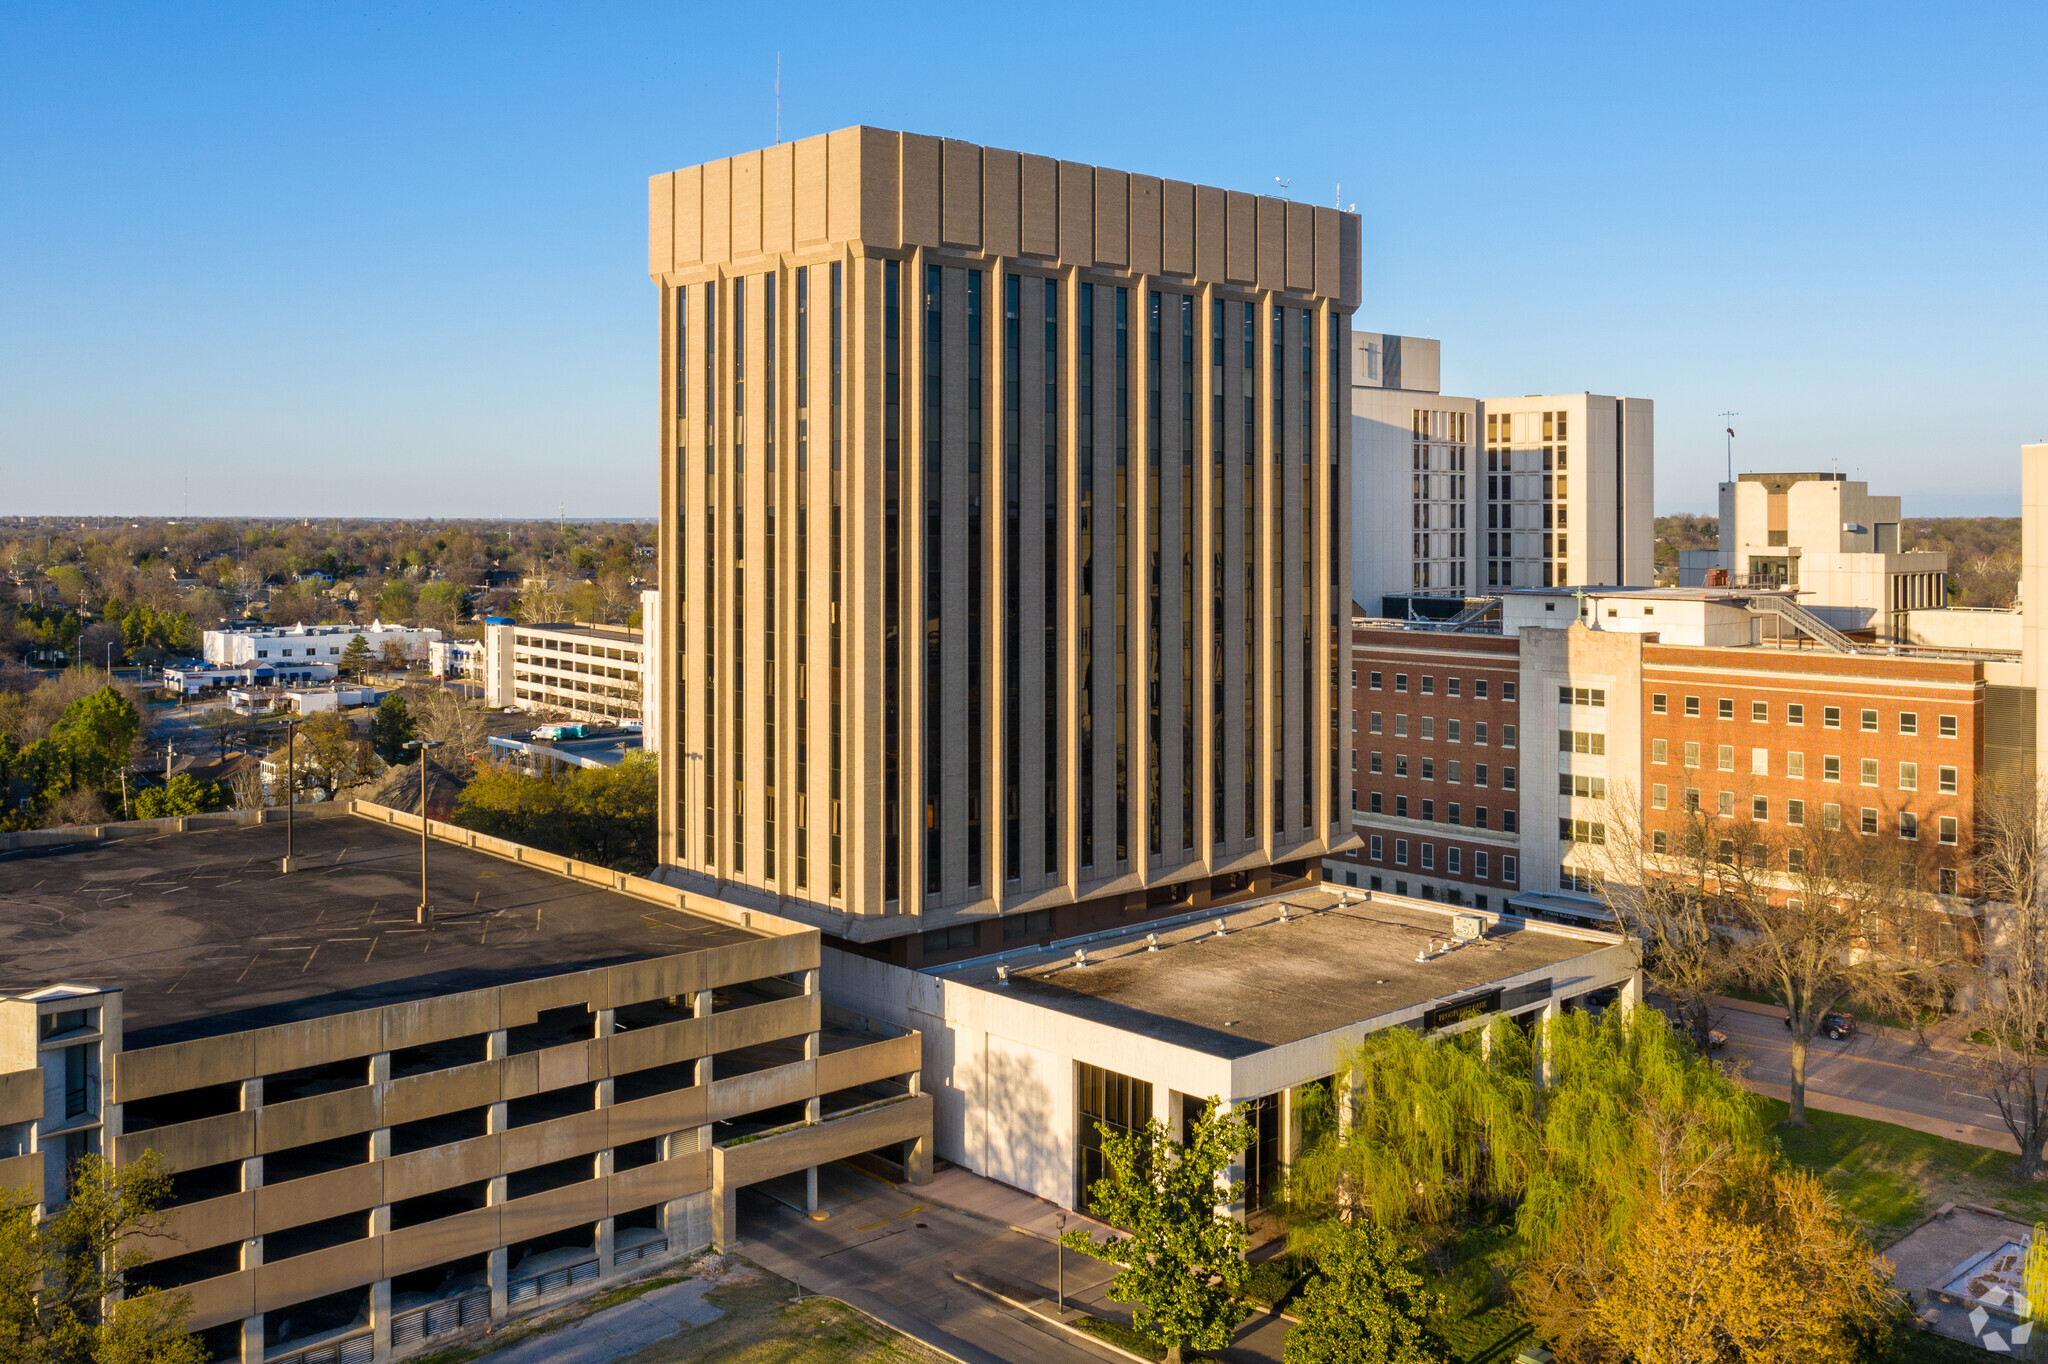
1001 1069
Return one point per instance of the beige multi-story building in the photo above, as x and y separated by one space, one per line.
1003 526
388 1136
1457 497
586 672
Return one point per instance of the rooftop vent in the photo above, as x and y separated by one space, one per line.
1151 942
1002 975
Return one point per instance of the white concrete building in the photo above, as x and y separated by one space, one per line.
1567 486
1027 1050
455 658
1827 538
253 643
1455 497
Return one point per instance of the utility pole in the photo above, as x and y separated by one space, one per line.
1727 417
291 788
425 914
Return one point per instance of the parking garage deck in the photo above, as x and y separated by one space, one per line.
204 936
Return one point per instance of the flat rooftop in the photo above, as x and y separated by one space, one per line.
1335 962
613 634
205 937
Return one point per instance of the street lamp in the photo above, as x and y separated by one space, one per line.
291 788
424 914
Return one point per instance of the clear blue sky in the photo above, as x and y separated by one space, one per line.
369 260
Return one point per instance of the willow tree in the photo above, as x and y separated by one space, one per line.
1421 1127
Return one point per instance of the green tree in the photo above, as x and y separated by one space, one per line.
1182 1261
185 795
1365 1305
355 659
391 729
594 814
394 601
98 731
60 1275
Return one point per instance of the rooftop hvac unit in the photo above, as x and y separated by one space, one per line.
1467 927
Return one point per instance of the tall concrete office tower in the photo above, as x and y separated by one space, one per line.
1002 539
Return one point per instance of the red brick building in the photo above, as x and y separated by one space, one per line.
1435 790
1485 763
1891 749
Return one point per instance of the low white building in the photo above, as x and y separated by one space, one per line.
316 700
278 644
1025 1051
192 681
456 658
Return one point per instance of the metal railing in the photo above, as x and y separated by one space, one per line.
1807 623
439 1318
360 1349
646 1250
554 1281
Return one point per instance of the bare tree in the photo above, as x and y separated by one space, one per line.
1660 883
456 724
2011 1013
1818 917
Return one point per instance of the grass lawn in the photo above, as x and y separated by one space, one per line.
1892 1178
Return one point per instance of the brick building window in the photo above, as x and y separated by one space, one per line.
1909 722
1659 751
1831 769
1760 712
1658 705
1726 709
1692 755
1795 812
1909 826
1869 825
1725 757
1830 717
1869 773
1947 776
1870 722
1948 727
1795 714
1692 706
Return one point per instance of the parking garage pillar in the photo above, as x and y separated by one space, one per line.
252 1339
700 1007
380 1312
498 1270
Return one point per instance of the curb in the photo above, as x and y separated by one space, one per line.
1075 1331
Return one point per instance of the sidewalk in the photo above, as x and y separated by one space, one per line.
963 1191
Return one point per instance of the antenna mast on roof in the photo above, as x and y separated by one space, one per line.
1286 186
1730 416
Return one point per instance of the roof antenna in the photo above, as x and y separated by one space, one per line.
1340 195
778 99
1286 186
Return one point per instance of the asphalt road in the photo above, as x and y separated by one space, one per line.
1874 1066
891 1255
